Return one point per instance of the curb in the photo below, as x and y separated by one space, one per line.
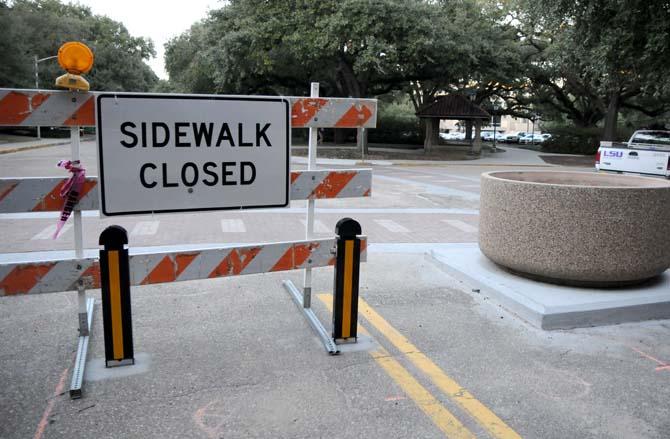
417 163
29 147
474 162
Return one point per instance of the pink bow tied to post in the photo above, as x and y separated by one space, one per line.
71 191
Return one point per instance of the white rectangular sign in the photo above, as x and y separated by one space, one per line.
162 153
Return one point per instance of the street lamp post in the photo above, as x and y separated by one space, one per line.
532 135
495 124
37 81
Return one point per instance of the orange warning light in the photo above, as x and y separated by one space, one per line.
75 57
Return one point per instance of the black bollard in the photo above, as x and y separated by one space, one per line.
347 268
115 283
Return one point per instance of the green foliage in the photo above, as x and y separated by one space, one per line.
589 60
397 123
352 47
571 140
40 27
399 130
187 61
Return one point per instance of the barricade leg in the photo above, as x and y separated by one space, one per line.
311 204
85 305
347 268
115 285
82 351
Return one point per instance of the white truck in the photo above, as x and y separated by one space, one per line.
647 152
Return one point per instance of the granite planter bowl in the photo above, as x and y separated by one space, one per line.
576 228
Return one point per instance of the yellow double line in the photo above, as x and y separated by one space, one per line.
440 416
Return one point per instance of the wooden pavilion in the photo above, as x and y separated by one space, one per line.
452 107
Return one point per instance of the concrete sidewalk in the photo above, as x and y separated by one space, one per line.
234 358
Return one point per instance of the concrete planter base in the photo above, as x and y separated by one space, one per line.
576 228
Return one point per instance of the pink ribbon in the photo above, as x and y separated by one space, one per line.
71 191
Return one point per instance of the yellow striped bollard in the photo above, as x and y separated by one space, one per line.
347 268
115 284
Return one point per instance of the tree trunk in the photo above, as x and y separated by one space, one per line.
612 116
347 82
339 136
349 85
422 93
477 143
435 132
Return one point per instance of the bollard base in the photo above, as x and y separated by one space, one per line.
119 363
350 340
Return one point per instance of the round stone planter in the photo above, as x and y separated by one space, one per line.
576 228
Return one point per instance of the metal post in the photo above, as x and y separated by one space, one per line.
78 238
347 268
85 307
309 227
80 361
361 136
37 82
495 126
532 135
37 87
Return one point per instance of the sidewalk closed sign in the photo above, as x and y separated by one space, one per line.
162 153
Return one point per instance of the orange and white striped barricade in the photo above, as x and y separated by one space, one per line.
42 194
21 107
40 276
25 107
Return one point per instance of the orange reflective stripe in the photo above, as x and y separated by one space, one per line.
184 260
23 279
303 110
332 184
115 303
92 276
348 283
354 117
162 272
6 189
15 107
235 262
85 115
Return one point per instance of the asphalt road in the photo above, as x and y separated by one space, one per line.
233 358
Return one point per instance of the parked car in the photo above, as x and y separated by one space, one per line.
524 138
532 138
487 135
454 135
512 137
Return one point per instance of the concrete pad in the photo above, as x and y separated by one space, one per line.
551 306
96 370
